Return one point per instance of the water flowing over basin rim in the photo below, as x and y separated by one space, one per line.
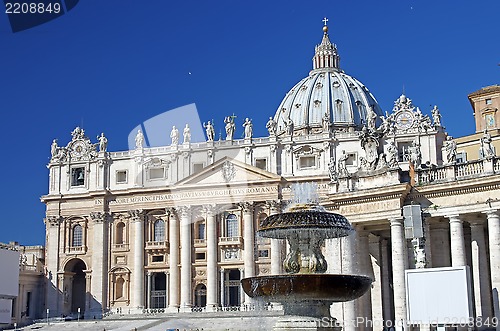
302 287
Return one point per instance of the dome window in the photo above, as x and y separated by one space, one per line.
297 105
317 102
336 84
319 85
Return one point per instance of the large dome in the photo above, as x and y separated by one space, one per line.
328 93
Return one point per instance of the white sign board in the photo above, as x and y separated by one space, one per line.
438 295
5 311
9 273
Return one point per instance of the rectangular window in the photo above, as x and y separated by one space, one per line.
201 231
263 253
121 176
157 173
404 151
461 157
307 162
488 101
352 159
197 167
78 176
157 258
261 163
200 256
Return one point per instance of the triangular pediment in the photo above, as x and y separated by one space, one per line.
227 171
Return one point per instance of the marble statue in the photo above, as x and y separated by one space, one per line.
174 135
371 118
436 116
187 134
326 122
289 127
392 155
450 147
415 154
103 142
209 129
332 172
342 164
230 127
53 148
139 139
248 128
271 126
486 148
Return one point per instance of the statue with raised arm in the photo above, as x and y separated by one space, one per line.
187 134
139 139
174 135
342 165
209 129
248 128
450 147
103 142
230 127
271 127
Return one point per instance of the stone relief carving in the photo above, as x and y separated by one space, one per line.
228 171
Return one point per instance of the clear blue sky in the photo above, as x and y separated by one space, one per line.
112 64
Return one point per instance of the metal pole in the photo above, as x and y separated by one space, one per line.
48 316
78 314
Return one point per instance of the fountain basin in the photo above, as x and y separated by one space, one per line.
307 287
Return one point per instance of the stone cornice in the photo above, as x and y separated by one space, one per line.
459 187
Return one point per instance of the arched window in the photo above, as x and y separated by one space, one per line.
232 225
159 234
120 232
120 284
77 235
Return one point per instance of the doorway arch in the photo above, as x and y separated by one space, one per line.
200 295
77 288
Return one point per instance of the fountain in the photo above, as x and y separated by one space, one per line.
305 292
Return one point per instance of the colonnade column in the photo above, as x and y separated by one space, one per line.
173 239
138 273
248 242
376 290
364 268
494 245
482 295
186 261
276 244
457 242
349 266
211 258
222 292
399 263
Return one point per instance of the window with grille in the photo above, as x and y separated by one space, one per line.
232 225
77 236
159 231
201 231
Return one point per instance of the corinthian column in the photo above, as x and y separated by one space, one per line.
173 286
99 281
137 218
248 242
494 244
457 241
186 289
211 257
399 262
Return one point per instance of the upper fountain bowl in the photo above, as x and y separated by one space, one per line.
307 217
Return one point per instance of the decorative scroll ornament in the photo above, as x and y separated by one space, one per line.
228 171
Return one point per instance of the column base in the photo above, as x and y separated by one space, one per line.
172 309
211 308
185 309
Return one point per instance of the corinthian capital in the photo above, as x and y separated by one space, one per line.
209 209
136 215
53 220
99 217
184 211
247 206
